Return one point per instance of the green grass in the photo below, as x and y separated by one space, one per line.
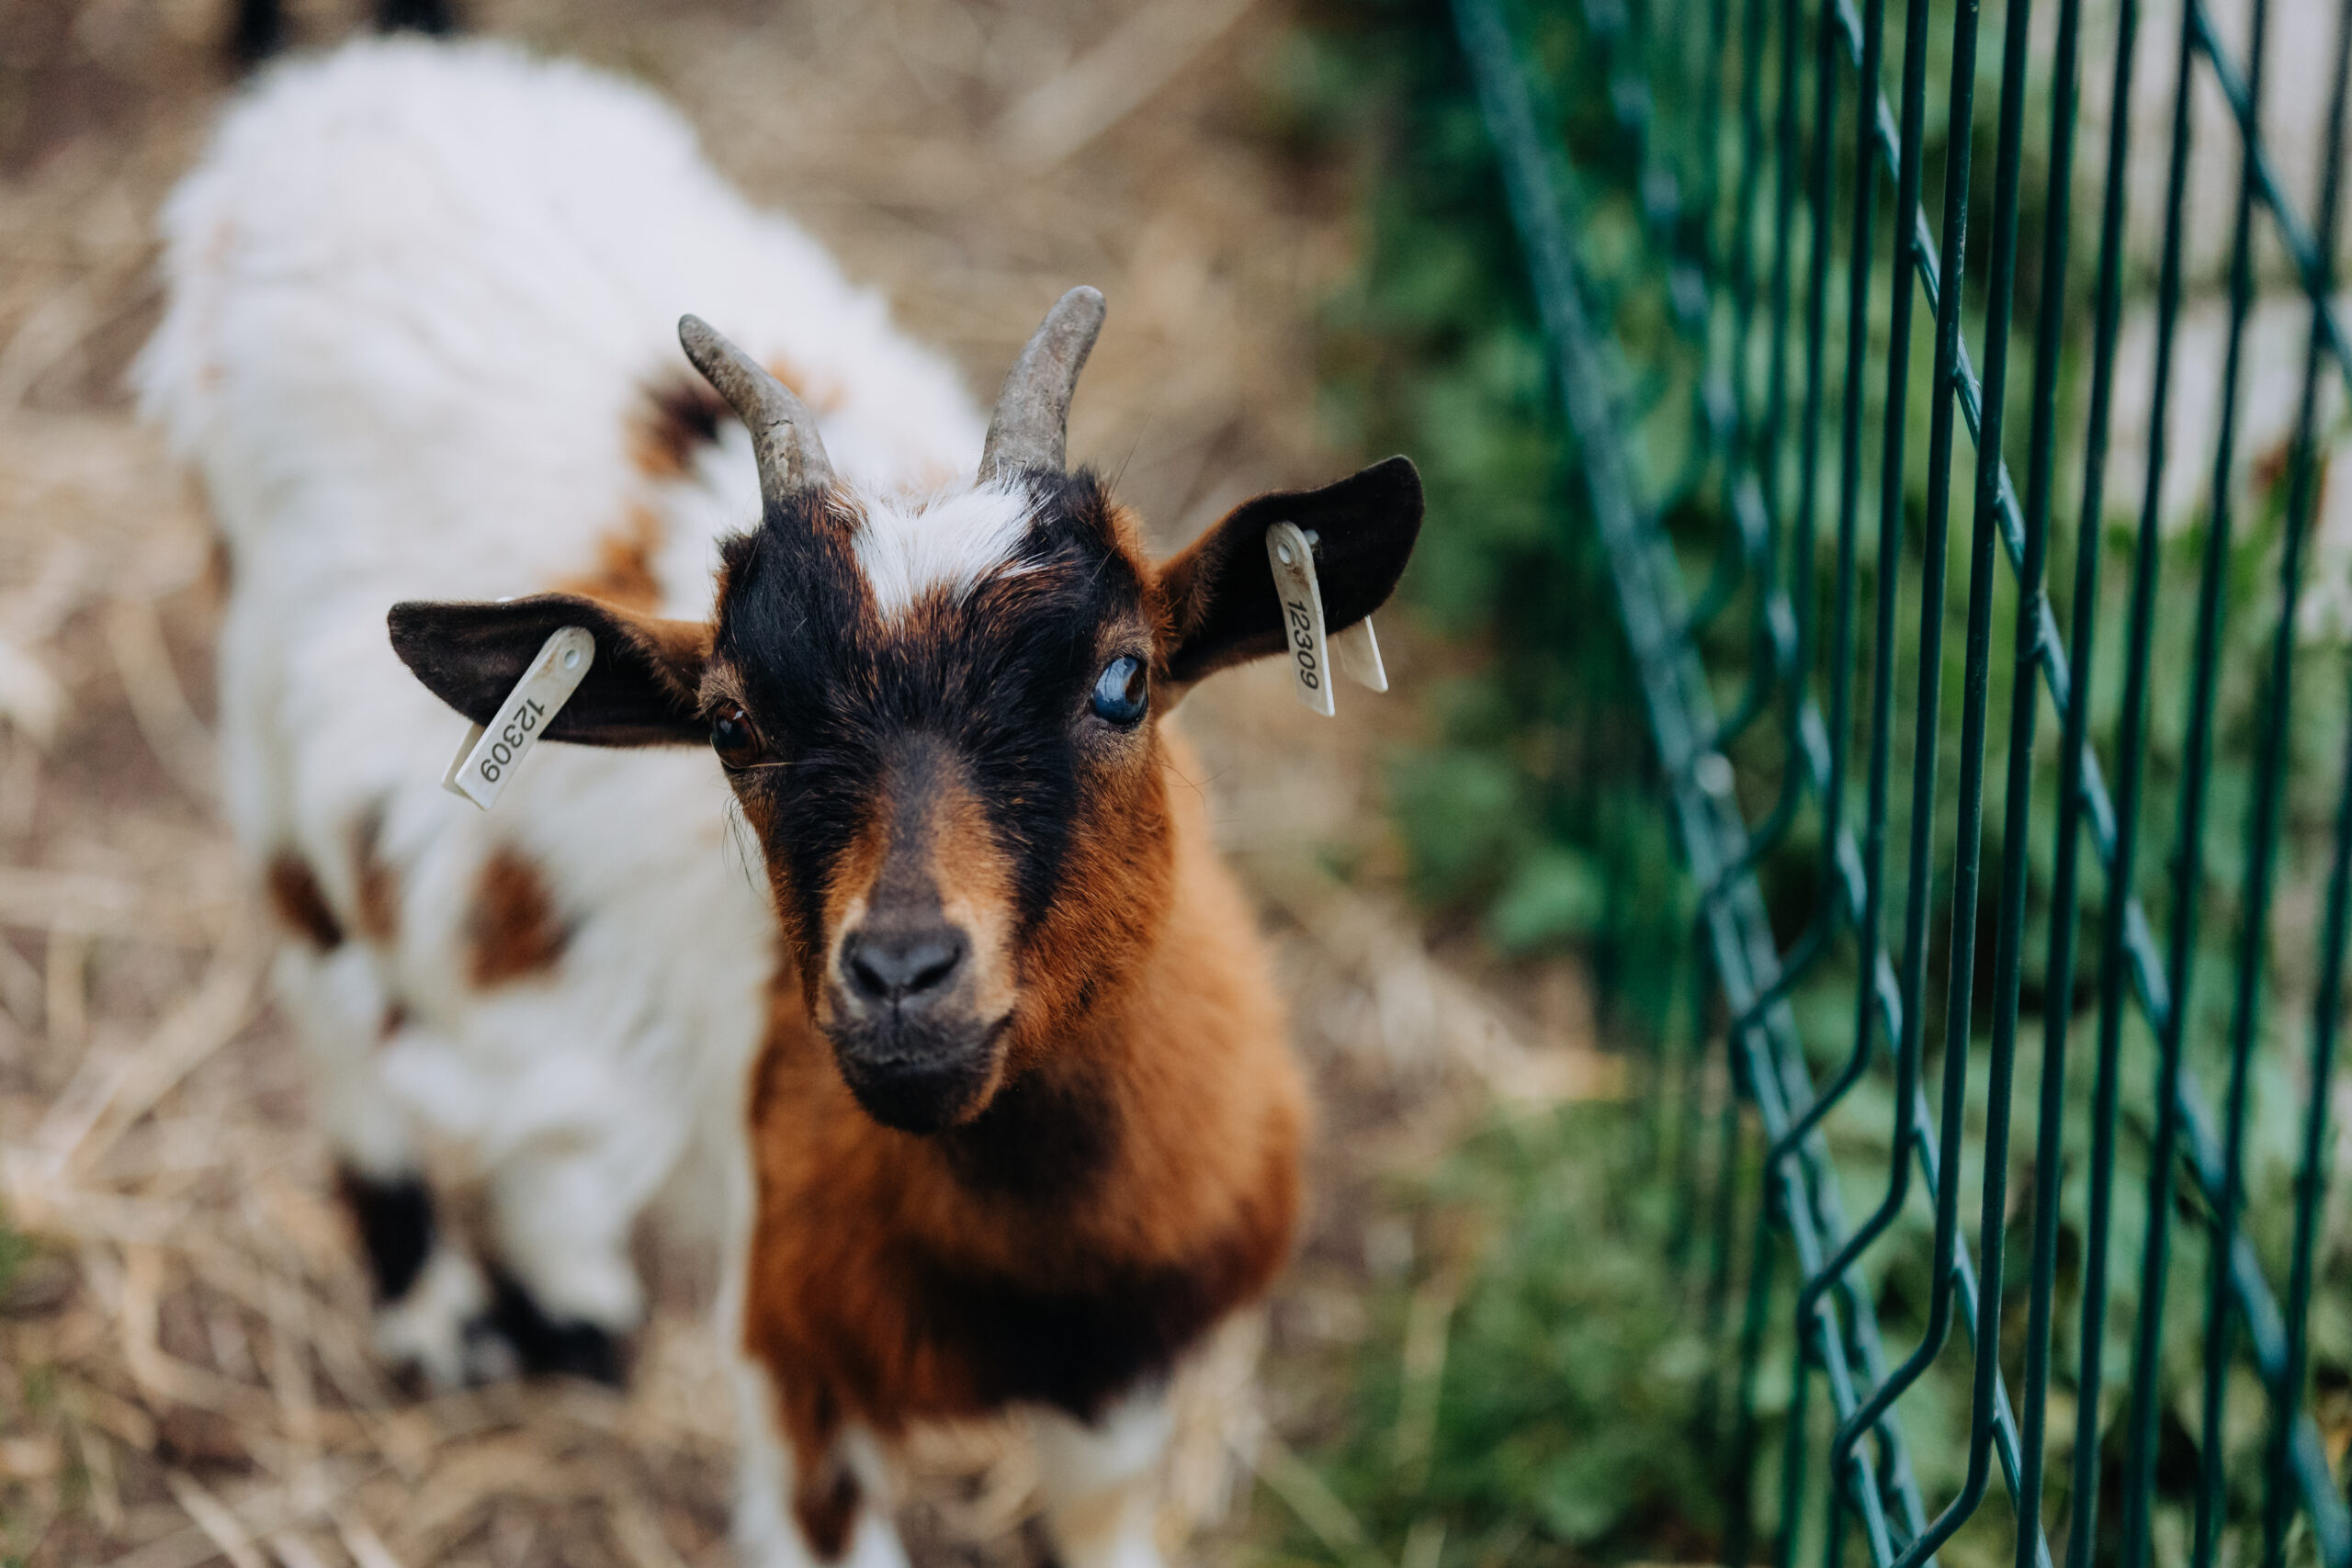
1528 1398
15 1250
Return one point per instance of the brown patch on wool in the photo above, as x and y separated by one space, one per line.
377 884
300 903
675 418
681 414
623 574
511 930
822 394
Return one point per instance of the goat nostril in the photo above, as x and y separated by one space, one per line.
932 963
893 968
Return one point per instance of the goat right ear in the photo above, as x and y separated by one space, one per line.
1219 591
641 689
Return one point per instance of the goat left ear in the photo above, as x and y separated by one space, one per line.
1219 590
642 689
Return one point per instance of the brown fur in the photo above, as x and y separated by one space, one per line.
822 397
623 574
874 1249
1040 1131
511 930
1130 1174
943 840
376 882
300 903
676 651
825 1502
1108 1122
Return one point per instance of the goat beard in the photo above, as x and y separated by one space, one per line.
919 1074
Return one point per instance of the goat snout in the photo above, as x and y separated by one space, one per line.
908 967
911 1042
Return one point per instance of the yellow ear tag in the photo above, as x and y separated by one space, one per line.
490 752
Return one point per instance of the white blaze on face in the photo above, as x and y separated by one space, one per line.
906 549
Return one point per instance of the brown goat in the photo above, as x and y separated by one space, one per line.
1024 1126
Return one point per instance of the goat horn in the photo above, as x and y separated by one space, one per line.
1029 428
784 434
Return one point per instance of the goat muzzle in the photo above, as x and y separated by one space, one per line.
906 1034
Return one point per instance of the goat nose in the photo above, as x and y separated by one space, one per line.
903 966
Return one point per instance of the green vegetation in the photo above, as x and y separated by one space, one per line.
16 1251
1532 1399
1574 1419
1526 1401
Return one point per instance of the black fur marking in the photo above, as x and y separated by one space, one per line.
1076 1349
436 17
640 690
1041 1140
546 1346
1222 592
258 32
918 1076
1002 676
395 1221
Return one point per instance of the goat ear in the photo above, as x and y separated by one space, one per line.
1219 591
641 689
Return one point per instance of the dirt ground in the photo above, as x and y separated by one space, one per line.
188 1376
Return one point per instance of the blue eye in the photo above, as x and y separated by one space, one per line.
1120 689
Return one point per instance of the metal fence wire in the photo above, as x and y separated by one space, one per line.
1730 213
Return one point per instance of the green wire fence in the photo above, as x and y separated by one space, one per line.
1725 207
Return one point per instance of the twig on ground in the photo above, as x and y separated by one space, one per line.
1142 55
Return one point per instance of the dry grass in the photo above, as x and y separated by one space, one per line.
188 1377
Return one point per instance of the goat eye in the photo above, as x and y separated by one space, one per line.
732 737
1121 689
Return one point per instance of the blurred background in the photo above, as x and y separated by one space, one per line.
1546 1309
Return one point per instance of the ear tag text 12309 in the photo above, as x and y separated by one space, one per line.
1290 550
491 752
1293 560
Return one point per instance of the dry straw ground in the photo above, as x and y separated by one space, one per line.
183 1369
